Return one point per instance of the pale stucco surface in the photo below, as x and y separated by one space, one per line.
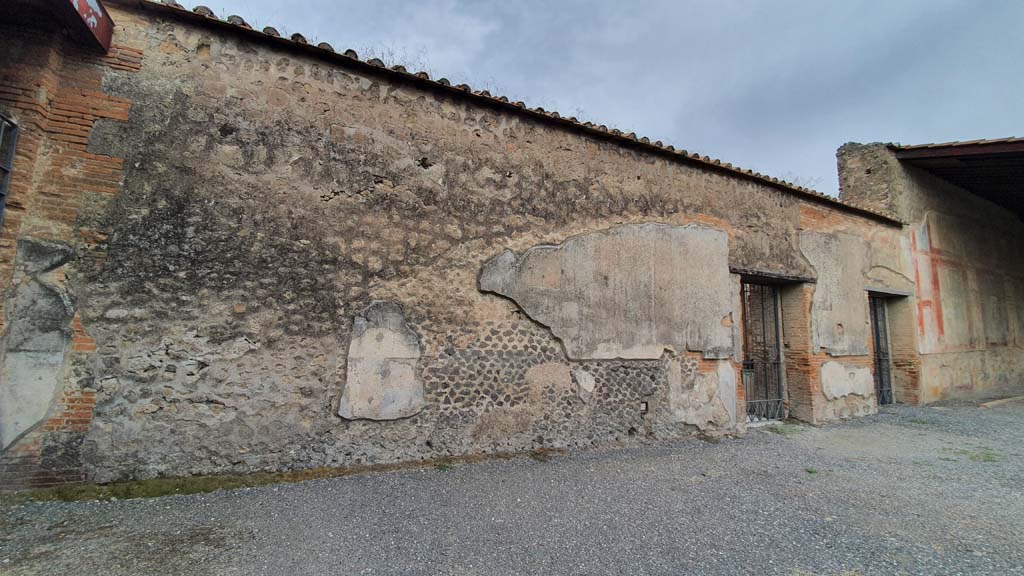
839 308
839 380
383 380
630 292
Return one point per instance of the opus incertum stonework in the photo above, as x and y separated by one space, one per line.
226 252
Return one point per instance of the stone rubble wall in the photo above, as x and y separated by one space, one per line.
301 265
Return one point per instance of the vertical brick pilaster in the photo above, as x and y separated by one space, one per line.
52 88
906 363
803 384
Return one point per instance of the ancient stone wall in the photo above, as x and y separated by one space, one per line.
300 264
52 89
831 367
969 293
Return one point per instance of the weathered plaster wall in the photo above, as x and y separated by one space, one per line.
839 306
849 390
629 292
969 275
289 273
851 258
383 379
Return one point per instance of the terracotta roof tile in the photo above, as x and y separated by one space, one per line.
445 84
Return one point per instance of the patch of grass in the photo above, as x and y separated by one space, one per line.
810 470
978 454
202 484
983 455
144 488
917 421
784 429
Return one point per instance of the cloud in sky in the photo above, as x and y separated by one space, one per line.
775 86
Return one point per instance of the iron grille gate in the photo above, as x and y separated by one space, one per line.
883 365
762 355
8 140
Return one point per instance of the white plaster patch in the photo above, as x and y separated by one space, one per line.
705 400
585 383
629 292
382 381
839 380
38 311
727 389
30 387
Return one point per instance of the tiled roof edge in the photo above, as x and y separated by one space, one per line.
323 50
956 143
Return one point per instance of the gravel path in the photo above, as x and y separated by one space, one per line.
910 491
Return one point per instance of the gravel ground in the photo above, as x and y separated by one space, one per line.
936 490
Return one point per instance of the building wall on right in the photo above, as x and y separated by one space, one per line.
968 272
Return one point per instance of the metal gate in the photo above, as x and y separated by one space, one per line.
883 364
762 354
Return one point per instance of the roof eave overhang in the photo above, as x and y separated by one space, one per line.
957 150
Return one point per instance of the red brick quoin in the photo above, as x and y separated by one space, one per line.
51 86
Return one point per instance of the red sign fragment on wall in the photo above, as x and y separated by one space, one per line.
97 21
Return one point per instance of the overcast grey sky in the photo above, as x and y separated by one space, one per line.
775 86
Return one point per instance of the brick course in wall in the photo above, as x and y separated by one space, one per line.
52 88
889 270
802 385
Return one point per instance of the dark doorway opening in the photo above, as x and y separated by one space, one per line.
883 354
763 388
